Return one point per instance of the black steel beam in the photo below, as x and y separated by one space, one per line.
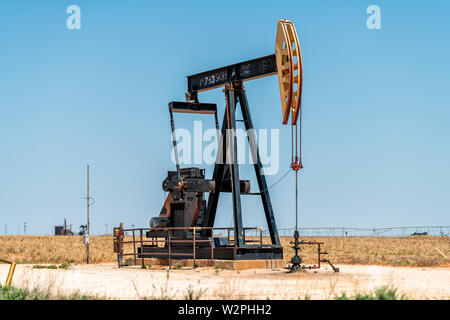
243 71
219 174
262 184
231 150
192 107
227 186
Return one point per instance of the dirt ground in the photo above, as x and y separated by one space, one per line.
108 281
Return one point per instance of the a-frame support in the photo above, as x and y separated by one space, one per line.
227 166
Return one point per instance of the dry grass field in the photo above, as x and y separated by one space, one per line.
416 251
398 251
55 249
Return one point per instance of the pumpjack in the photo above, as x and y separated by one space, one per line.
186 205
186 221
186 214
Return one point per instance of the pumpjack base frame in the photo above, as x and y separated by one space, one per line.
224 253
162 263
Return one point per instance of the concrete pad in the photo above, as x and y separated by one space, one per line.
106 280
222 264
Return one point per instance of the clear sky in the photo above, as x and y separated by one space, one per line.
376 108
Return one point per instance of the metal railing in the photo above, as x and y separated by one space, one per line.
167 238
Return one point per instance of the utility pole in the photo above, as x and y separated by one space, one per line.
6 228
106 228
24 228
87 225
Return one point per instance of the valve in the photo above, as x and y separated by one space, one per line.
296 165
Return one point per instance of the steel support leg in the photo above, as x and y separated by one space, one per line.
262 184
232 163
218 176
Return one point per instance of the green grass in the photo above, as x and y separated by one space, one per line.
65 265
38 266
383 293
13 293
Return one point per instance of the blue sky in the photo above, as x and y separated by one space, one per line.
375 108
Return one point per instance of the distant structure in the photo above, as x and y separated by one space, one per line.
419 233
83 229
63 230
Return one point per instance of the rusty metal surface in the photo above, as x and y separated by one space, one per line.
118 240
